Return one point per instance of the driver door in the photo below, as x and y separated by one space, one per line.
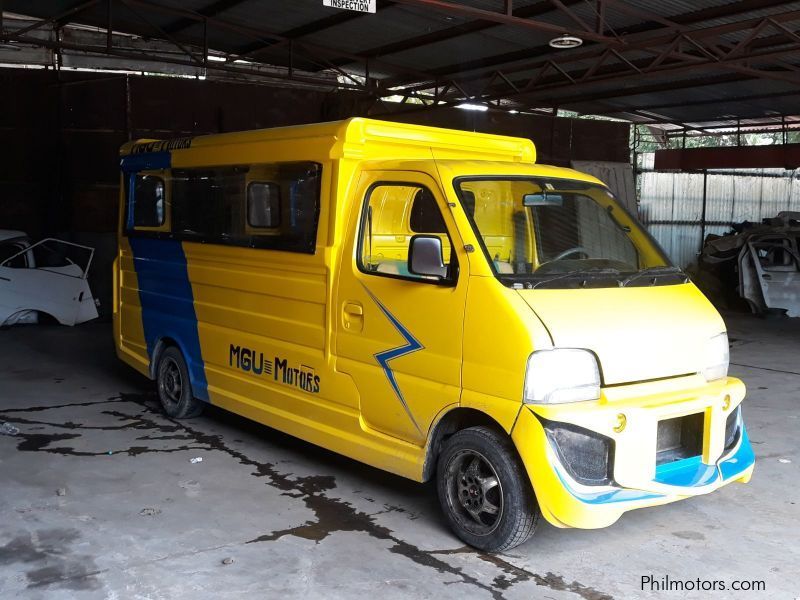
399 335
777 265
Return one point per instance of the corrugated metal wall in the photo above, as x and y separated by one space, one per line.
671 204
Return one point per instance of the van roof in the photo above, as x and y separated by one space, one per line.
360 138
483 168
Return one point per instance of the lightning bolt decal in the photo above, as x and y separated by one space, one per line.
383 358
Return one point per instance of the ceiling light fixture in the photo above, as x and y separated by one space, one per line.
565 41
468 106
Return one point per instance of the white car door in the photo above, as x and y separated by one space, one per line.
777 265
59 288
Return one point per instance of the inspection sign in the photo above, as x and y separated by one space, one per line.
367 6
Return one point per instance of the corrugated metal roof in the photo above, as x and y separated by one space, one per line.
394 24
410 43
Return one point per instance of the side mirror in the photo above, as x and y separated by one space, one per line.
425 256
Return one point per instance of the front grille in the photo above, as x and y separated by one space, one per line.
679 438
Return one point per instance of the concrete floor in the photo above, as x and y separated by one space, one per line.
98 499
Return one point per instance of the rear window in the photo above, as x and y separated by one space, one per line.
148 207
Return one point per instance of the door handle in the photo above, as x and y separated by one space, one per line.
766 276
353 317
353 308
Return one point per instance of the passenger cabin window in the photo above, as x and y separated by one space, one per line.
273 206
148 206
263 204
392 214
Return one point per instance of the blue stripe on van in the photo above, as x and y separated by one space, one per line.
145 161
165 293
383 358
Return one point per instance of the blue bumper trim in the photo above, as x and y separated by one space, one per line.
687 473
739 462
607 496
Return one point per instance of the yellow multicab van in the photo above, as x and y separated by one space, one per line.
433 303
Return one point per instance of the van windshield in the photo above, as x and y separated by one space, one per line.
545 232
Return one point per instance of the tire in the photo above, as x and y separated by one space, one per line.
484 491
174 388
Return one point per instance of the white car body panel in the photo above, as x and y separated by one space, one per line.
60 291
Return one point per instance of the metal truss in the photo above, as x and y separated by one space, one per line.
656 53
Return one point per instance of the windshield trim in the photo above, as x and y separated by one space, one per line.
589 184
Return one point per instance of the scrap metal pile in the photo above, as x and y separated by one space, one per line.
758 263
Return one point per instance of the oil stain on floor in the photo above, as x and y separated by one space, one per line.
48 553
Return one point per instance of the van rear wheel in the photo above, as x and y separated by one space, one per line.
174 388
484 490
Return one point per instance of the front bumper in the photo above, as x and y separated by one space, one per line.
637 481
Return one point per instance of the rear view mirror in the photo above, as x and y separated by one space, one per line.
543 199
425 256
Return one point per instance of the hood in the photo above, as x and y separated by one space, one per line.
638 333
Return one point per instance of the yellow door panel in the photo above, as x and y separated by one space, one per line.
399 335
131 345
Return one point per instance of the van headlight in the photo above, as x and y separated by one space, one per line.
562 375
717 357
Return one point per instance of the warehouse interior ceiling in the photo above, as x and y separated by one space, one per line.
699 64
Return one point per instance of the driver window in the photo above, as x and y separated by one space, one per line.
393 213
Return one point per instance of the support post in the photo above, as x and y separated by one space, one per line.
109 26
205 42
703 215
601 16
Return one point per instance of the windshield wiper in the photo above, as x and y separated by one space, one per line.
653 272
576 273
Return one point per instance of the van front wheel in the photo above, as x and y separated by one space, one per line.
174 388
484 491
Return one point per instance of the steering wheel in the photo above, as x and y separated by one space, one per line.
570 251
